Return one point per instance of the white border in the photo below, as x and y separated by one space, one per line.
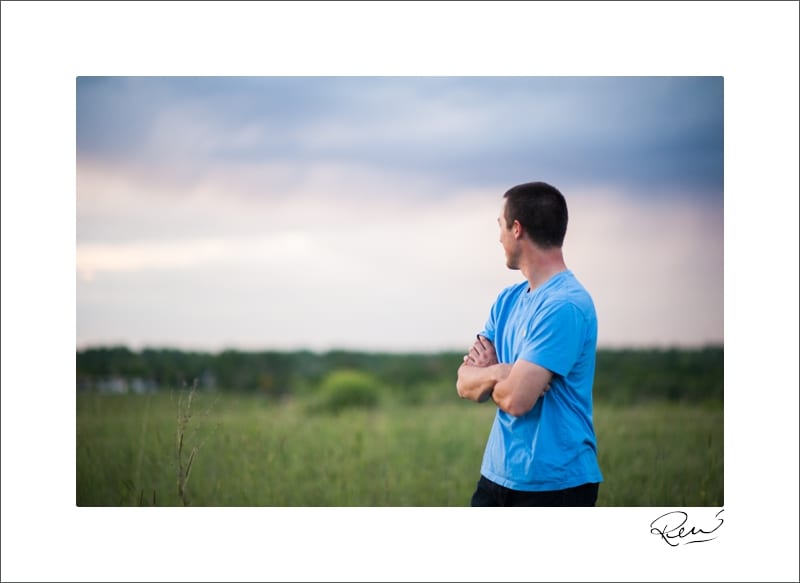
46 45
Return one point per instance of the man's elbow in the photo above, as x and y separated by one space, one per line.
460 388
512 406
517 410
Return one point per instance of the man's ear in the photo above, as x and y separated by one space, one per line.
517 228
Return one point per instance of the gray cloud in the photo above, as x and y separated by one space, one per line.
663 132
209 210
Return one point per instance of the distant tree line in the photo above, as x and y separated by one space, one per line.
622 376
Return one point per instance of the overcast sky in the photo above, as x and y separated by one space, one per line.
360 212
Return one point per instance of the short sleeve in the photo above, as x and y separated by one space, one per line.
555 338
490 328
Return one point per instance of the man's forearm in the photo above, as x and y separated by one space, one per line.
477 382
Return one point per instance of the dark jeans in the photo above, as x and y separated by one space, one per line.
490 494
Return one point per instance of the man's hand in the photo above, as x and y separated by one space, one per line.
482 353
480 371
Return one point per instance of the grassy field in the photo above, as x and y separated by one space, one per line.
251 451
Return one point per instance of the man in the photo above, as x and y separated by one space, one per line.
535 359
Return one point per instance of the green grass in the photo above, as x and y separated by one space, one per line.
663 454
257 452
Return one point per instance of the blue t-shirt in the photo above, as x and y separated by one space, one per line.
552 446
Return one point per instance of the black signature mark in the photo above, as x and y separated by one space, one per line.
672 529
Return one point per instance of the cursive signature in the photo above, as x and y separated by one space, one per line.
671 527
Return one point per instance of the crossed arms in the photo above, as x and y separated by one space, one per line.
514 388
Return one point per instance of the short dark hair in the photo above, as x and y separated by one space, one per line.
541 210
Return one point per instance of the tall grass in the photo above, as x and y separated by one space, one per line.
268 453
186 440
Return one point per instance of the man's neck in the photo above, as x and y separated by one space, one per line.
541 266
